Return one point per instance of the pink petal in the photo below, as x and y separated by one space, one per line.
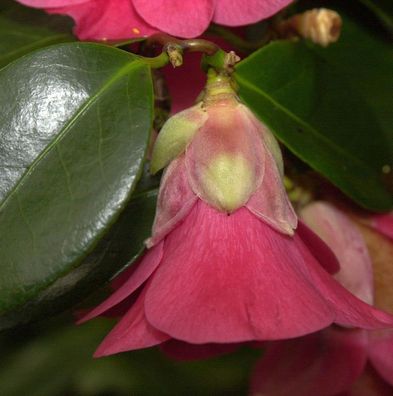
240 12
318 248
177 17
268 139
270 202
132 332
323 364
106 20
344 238
227 132
119 310
139 273
383 224
175 200
51 3
381 353
350 311
231 279
183 351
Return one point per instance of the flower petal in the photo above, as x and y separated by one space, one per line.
231 279
381 252
240 12
324 364
270 202
318 248
350 311
139 273
177 17
51 3
132 332
343 237
175 200
383 224
106 20
268 139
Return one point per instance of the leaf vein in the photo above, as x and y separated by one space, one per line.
309 127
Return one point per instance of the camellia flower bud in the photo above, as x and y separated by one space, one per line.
227 260
229 158
320 25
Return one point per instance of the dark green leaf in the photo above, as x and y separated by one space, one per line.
23 30
330 107
383 9
74 127
364 59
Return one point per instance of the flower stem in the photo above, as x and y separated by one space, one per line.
174 48
156 62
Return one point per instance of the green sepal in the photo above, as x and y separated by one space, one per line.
175 135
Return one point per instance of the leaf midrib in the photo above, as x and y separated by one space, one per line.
122 72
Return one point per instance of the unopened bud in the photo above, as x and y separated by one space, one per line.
223 155
320 25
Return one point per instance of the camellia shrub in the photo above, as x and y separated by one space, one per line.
212 175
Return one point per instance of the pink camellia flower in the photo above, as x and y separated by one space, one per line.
383 223
332 362
226 263
122 19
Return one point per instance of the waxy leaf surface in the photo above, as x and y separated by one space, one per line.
331 107
75 121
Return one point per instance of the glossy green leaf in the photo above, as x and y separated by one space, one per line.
364 59
315 103
23 30
74 127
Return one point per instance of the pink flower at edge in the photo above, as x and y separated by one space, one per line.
383 223
226 263
124 19
331 362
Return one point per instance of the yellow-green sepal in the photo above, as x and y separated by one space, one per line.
228 181
175 135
